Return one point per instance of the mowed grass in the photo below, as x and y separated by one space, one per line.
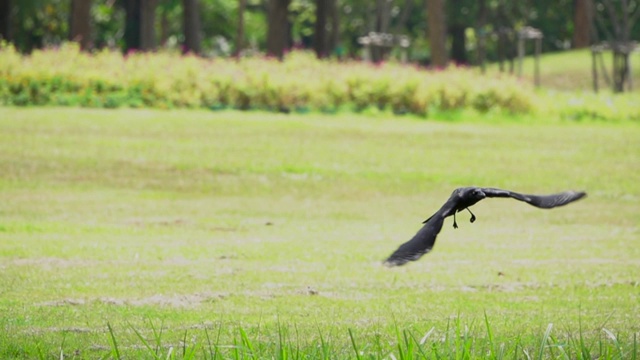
195 234
572 70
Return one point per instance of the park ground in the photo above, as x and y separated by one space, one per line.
191 234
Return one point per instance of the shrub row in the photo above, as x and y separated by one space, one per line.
66 76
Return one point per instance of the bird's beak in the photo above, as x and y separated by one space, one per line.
482 194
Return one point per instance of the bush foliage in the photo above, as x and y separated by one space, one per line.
66 76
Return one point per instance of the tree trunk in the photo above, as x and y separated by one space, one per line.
148 24
5 20
192 38
334 15
132 25
139 28
320 29
458 44
325 36
384 15
437 33
581 23
164 27
384 21
278 27
242 5
80 23
481 34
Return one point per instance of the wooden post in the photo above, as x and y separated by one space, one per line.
366 53
501 47
618 76
520 55
537 62
482 43
594 69
629 72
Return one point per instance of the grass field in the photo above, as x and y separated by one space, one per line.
194 234
572 70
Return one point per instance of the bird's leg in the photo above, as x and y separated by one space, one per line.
473 217
455 224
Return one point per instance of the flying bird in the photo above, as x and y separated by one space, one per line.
461 199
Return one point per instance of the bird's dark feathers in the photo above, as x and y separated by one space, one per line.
419 245
541 201
461 199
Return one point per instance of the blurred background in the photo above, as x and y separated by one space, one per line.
326 47
422 31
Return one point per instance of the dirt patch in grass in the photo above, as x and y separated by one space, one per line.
53 262
175 300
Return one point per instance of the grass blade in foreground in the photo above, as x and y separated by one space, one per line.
114 342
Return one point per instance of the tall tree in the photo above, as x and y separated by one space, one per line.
191 23
148 24
383 15
334 21
5 20
581 23
277 27
242 5
381 25
320 30
437 32
481 22
458 20
139 28
131 25
80 23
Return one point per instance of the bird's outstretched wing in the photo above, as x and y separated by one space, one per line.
421 243
540 201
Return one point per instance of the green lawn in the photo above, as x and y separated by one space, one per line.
572 70
190 234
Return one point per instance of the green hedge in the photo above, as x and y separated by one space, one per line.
66 76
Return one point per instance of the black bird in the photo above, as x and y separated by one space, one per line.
461 199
